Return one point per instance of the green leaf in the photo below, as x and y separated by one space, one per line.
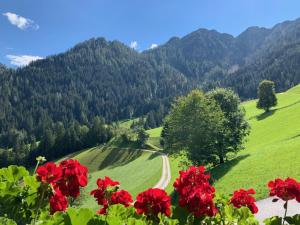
293 220
181 214
6 221
57 219
32 184
78 217
273 221
13 173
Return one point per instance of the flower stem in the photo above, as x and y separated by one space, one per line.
39 206
285 213
37 164
106 214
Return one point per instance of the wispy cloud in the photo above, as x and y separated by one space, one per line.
152 46
134 45
22 60
20 21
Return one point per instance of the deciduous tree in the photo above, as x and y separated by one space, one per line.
266 95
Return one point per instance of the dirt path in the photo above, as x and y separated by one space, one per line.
166 173
267 209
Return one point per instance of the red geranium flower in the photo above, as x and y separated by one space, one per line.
195 192
244 198
287 189
58 202
102 194
152 202
74 176
48 173
121 197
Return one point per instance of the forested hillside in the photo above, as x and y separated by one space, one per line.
111 80
95 78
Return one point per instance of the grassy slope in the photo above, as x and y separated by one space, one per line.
154 136
272 149
134 169
128 123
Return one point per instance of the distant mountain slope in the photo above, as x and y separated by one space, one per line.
282 66
98 77
210 59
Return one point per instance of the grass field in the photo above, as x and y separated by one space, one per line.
272 149
134 169
128 123
154 136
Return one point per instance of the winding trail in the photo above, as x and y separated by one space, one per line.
267 209
166 171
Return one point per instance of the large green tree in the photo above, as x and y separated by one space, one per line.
266 95
236 127
193 125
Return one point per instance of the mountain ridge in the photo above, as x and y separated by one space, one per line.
108 78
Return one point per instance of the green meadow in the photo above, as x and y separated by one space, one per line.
136 170
272 149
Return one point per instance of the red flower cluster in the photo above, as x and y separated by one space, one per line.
195 192
121 197
65 179
74 176
244 198
107 195
287 189
153 201
58 202
49 173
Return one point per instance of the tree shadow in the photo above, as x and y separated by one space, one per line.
265 115
220 170
154 155
119 157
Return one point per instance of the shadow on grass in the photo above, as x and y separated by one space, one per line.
220 170
265 115
119 157
153 156
293 137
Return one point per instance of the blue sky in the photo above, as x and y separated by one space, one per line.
30 29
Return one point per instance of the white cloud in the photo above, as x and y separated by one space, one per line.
134 45
153 46
20 21
22 60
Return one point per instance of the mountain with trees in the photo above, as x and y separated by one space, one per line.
108 79
95 78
